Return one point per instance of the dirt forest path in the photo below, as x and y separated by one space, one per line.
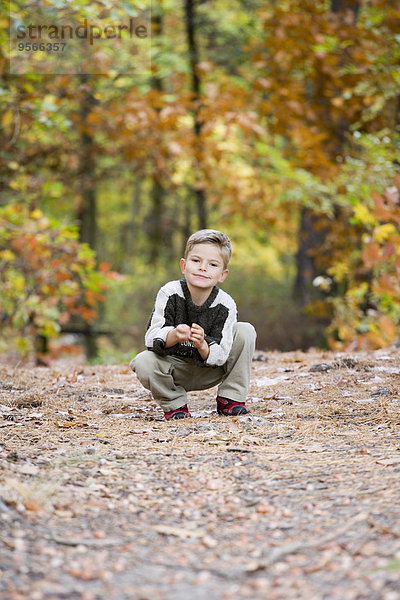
100 499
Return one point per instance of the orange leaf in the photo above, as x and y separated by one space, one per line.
370 254
388 328
104 266
376 340
385 285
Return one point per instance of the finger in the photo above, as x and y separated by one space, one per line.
197 328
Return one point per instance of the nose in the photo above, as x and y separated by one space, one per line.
203 267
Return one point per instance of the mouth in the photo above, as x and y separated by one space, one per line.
202 276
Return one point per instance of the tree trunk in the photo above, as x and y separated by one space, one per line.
129 244
87 210
156 237
311 234
190 20
157 209
309 239
338 6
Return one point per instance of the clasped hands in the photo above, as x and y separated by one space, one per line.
182 333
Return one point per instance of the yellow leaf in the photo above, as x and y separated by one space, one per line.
362 213
36 214
7 255
7 117
19 282
339 271
68 424
383 232
50 99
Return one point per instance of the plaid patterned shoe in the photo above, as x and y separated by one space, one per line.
230 408
177 413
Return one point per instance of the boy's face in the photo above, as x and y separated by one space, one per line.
204 266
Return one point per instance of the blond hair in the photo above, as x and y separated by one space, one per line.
211 236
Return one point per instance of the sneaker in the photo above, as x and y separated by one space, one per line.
230 407
177 413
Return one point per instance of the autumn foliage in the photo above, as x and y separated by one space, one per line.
324 70
46 275
367 315
289 139
327 85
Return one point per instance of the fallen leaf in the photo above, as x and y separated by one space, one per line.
28 469
387 462
312 448
179 531
69 424
264 507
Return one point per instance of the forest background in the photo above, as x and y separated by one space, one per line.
277 122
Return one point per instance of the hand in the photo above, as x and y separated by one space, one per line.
179 335
197 337
182 333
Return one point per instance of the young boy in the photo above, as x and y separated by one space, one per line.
193 339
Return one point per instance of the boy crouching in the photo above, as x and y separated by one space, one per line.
193 339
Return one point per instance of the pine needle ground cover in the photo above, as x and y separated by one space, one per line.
100 498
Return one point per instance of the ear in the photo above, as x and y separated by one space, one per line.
223 276
183 265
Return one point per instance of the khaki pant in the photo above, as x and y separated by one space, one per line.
169 377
